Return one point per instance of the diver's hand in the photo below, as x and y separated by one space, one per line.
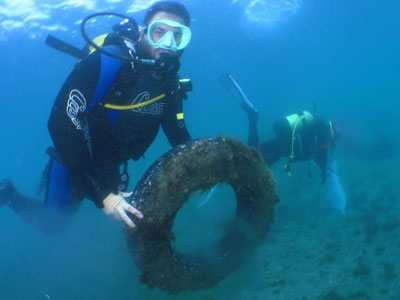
116 207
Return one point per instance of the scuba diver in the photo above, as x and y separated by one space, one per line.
299 137
109 110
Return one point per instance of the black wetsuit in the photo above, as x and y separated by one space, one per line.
310 142
93 141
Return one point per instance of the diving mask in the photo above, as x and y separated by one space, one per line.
168 35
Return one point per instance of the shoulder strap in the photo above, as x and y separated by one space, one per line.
109 70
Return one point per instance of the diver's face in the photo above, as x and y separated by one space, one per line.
156 34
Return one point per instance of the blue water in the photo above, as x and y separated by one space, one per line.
341 57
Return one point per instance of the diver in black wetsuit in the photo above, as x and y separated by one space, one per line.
107 112
299 137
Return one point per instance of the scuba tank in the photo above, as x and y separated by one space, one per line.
124 34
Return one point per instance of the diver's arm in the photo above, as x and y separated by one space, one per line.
321 135
71 133
113 203
174 126
67 122
321 159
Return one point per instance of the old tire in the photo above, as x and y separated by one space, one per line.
170 182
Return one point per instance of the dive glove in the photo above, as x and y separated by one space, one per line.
116 207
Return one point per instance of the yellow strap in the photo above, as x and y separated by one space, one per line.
133 106
99 41
332 131
179 116
293 134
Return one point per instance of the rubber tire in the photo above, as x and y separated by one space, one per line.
170 182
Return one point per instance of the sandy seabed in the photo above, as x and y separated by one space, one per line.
315 253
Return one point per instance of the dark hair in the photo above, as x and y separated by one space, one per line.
171 7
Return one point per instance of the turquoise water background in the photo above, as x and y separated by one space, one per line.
341 57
